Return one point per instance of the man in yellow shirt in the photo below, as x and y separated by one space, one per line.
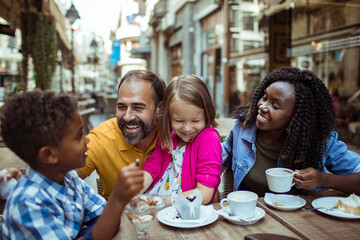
119 141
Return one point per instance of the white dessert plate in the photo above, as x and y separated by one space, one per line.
330 202
225 212
284 202
163 217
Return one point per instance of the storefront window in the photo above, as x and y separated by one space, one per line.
211 38
212 30
210 63
234 42
234 17
176 56
243 28
251 44
249 21
245 76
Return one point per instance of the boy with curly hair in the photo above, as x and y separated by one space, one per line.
50 201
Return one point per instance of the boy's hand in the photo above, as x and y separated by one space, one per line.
129 183
11 173
308 179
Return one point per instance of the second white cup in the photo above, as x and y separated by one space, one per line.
242 203
280 180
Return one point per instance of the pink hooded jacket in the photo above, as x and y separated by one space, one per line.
202 161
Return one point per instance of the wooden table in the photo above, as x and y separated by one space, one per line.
220 229
298 224
314 224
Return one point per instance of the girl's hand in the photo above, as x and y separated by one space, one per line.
148 180
11 173
308 179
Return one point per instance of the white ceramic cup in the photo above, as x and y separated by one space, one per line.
280 180
242 203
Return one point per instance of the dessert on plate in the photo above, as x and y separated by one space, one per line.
350 204
189 207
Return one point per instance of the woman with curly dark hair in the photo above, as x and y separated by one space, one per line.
288 123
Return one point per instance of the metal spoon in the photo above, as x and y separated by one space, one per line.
238 218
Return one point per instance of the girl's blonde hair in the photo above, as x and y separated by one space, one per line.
191 90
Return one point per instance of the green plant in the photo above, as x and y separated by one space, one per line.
26 31
39 41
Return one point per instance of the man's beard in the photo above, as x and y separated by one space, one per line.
145 130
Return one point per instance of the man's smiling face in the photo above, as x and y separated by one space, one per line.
136 112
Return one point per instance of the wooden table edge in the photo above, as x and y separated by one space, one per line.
282 221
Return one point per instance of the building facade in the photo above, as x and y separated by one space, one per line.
11 37
128 34
211 39
232 45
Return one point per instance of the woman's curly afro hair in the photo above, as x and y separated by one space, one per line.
312 121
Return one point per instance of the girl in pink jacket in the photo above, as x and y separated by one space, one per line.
188 152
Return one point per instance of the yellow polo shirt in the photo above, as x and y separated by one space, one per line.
109 152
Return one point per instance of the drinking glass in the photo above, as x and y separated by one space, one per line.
141 211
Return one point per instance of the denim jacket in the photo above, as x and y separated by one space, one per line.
239 154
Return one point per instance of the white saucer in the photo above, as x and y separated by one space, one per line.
284 202
225 212
164 214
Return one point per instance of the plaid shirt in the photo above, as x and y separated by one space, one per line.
39 208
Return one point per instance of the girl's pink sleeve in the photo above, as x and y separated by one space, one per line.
208 168
154 162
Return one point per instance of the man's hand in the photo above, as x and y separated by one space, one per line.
11 173
308 179
129 183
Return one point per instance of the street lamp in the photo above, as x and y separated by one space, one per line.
60 59
72 15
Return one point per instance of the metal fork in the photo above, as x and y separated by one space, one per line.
316 208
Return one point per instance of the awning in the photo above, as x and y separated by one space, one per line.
276 8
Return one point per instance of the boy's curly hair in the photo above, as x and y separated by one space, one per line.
31 120
312 121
